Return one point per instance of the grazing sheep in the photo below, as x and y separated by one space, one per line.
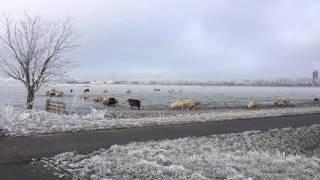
134 103
98 99
105 91
189 104
54 93
156 90
282 102
86 90
252 105
177 105
58 94
71 90
51 93
129 92
316 100
110 101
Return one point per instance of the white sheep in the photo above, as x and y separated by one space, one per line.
282 102
189 104
252 105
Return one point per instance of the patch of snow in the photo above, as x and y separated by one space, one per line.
18 122
290 153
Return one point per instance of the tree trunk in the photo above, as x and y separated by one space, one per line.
30 99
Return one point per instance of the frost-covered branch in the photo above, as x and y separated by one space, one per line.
33 50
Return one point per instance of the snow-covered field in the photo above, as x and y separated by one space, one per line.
276 154
217 103
18 122
211 97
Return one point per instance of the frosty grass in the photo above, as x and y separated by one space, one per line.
290 153
17 122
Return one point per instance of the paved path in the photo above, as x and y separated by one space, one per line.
25 148
26 171
21 149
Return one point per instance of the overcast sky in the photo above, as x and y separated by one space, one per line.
188 39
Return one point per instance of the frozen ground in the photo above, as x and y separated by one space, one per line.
17 122
211 97
276 154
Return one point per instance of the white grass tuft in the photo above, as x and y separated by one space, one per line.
17 122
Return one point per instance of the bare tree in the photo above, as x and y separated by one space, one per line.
33 51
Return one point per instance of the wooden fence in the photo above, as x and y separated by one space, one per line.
56 107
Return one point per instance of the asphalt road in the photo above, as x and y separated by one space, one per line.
27 170
16 152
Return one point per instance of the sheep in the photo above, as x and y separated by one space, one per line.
129 92
282 102
86 90
189 104
192 104
110 101
51 92
252 105
55 93
98 99
134 103
58 94
156 90
177 105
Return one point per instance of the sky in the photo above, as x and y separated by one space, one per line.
187 39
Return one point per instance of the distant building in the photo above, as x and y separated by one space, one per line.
315 77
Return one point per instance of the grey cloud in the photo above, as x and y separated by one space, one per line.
190 39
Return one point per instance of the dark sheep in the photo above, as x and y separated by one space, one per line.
86 90
316 100
134 103
110 102
71 90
